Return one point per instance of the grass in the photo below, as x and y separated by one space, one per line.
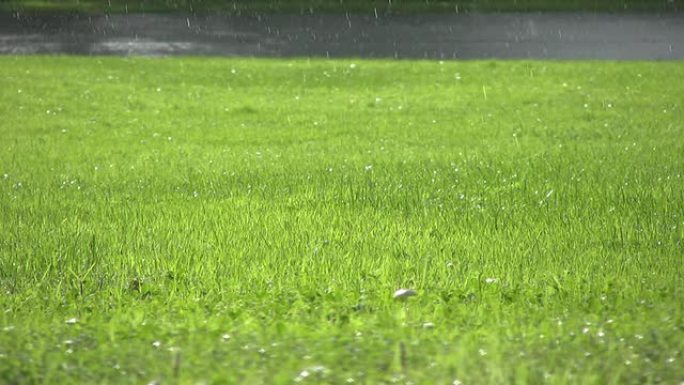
360 6
247 221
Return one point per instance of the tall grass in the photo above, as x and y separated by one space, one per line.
247 221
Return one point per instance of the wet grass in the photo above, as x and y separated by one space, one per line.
334 6
247 221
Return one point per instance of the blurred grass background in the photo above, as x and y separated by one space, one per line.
356 6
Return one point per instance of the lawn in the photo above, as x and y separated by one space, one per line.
227 221
336 6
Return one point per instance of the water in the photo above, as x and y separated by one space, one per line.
447 36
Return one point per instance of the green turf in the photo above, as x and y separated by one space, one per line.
247 221
361 6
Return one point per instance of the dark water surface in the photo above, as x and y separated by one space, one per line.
448 36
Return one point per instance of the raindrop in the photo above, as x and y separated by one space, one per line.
404 293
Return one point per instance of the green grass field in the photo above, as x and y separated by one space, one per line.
219 221
335 6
